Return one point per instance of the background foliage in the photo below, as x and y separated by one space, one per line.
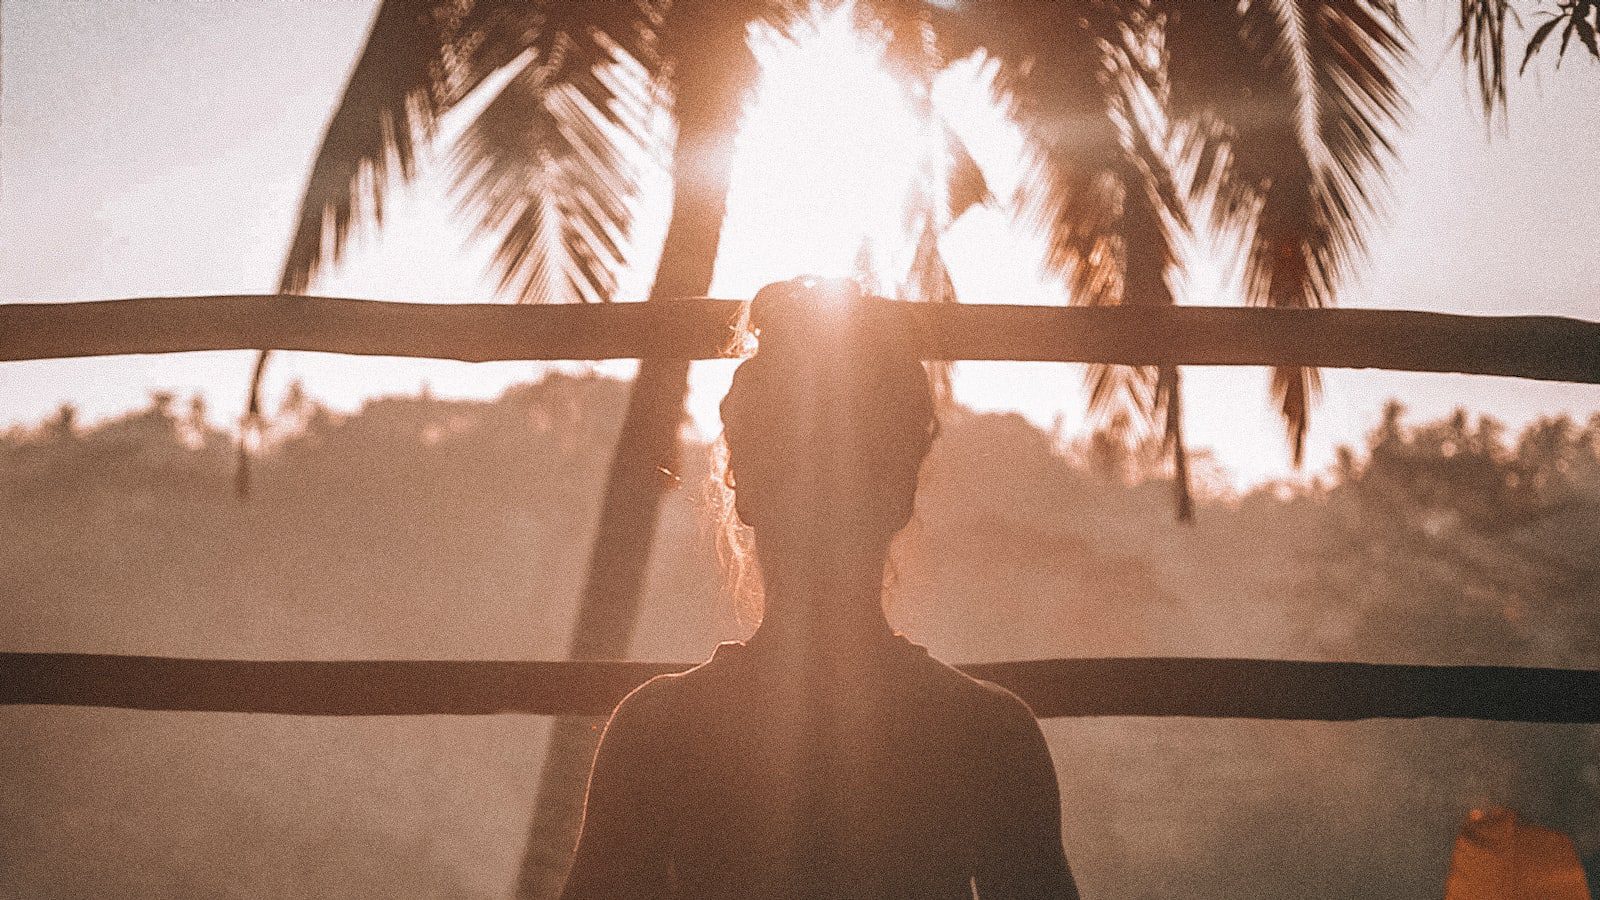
423 528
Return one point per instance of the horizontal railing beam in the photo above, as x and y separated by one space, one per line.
1547 348
1140 686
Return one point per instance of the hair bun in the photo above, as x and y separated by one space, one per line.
832 319
807 314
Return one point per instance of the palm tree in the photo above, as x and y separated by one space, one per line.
1267 117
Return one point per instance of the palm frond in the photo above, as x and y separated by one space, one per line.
421 57
949 182
928 279
394 97
1481 38
492 33
966 185
1481 32
1582 18
1101 190
1297 120
391 101
1354 49
1060 80
1076 77
551 166
905 31
1210 79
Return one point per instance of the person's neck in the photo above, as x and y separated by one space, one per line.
823 596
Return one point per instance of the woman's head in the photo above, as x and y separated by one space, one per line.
828 423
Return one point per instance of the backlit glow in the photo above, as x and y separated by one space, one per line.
185 181
826 157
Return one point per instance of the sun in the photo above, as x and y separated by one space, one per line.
825 158
827 154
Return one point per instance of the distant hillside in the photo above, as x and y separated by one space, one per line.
451 529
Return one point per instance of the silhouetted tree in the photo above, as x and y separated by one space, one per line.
1452 545
1470 530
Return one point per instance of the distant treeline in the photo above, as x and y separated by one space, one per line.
427 528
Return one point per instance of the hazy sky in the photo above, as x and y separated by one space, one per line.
159 147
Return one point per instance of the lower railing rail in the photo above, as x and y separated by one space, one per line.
1131 686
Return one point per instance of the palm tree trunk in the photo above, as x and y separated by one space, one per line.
1170 387
642 470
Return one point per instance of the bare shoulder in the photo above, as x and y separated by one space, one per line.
664 697
647 706
1008 706
984 698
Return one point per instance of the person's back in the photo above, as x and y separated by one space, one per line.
828 757
883 779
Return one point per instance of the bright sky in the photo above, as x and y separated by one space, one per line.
159 148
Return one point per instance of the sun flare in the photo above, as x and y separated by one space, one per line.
826 156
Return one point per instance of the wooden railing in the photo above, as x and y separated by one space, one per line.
1142 686
1536 347
1546 348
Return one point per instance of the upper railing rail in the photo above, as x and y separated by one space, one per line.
1546 348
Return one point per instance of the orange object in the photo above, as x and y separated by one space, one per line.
1499 857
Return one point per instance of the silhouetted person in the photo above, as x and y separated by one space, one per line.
827 757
